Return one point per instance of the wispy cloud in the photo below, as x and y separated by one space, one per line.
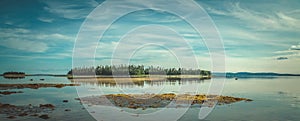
293 51
74 9
28 40
275 20
44 19
54 37
295 47
25 45
12 38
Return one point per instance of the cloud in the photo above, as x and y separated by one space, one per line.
293 51
74 9
155 16
295 47
31 41
54 36
8 23
47 20
6 31
258 20
26 45
26 34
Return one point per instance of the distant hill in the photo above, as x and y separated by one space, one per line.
251 75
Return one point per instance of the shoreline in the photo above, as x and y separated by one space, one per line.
124 79
137 76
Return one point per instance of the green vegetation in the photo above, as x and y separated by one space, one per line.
135 70
14 75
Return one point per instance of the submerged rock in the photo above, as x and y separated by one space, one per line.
33 86
10 92
11 117
143 101
13 111
47 106
45 116
67 109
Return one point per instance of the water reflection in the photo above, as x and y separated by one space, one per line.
140 83
13 78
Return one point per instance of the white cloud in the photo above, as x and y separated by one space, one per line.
276 20
27 40
47 20
72 9
292 52
295 47
26 45
8 23
54 37
14 30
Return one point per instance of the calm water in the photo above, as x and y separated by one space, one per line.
274 98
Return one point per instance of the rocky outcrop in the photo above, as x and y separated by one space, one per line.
135 101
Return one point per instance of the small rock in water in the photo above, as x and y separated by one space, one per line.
42 79
34 115
11 117
23 114
65 101
47 106
45 116
67 109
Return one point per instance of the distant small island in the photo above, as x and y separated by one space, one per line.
135 71
14 75
252 75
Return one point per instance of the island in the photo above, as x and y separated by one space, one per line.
14 75
136 71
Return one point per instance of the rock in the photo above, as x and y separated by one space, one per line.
45 116
144 101
34 115
10 92
47 106
65 101
11 117
33 86
13 111
23 114
7 106
67 109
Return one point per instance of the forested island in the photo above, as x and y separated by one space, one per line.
134 71
14 75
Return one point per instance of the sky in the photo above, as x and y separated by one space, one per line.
39 36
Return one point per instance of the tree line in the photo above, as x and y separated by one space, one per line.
135 70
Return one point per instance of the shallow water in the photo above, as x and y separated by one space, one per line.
274 99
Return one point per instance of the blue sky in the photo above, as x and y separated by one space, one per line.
38 36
